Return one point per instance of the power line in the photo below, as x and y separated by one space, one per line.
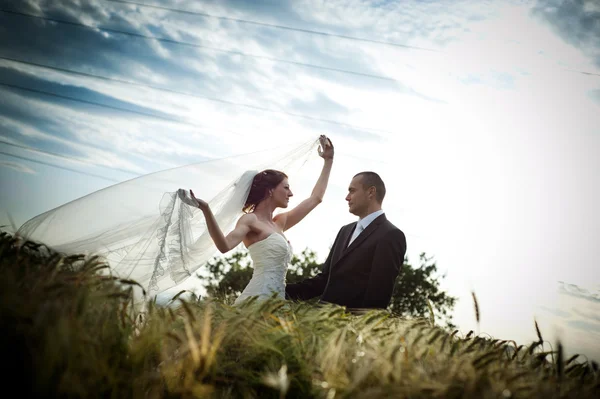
69 158
107 167
231 103
213 99
236 52
103 177
289 28
111 107
585 73
201 46
117 181
309 31
146 114
59 167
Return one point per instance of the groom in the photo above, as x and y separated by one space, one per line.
366 256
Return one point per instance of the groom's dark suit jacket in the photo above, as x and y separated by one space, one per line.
361 275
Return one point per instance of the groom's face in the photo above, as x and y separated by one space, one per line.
358 197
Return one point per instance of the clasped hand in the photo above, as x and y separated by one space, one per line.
325 147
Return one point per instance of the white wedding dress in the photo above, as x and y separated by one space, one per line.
160 239
270 259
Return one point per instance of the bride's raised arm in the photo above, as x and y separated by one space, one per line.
287 220
225 243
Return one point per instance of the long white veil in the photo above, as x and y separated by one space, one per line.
145 229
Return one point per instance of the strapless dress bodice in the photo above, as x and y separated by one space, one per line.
270 259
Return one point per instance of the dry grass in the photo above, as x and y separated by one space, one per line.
74 333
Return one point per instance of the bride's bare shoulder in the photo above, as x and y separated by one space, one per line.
248 219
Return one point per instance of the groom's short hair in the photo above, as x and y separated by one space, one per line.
372 179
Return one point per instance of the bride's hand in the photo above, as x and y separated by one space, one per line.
325 147
203 205
186 199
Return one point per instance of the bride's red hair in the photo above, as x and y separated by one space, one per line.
264 181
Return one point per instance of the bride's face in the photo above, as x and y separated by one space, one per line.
282 194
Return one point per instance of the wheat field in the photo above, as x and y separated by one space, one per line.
69 329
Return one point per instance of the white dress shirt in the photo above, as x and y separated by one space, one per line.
363 223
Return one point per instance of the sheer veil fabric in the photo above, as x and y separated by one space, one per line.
145 227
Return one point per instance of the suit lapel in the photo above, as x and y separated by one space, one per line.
362 237
344 239
349 232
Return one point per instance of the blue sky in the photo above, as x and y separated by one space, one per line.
482 117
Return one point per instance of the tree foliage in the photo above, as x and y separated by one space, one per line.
416 288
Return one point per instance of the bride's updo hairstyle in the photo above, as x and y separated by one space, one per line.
264 181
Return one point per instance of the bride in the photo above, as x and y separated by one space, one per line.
163 249
260 231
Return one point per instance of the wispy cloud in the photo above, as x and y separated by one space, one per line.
589 314
556 312
575 291
576 21
19 167
585 326
240 79
595 95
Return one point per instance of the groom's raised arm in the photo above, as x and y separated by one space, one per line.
314 286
